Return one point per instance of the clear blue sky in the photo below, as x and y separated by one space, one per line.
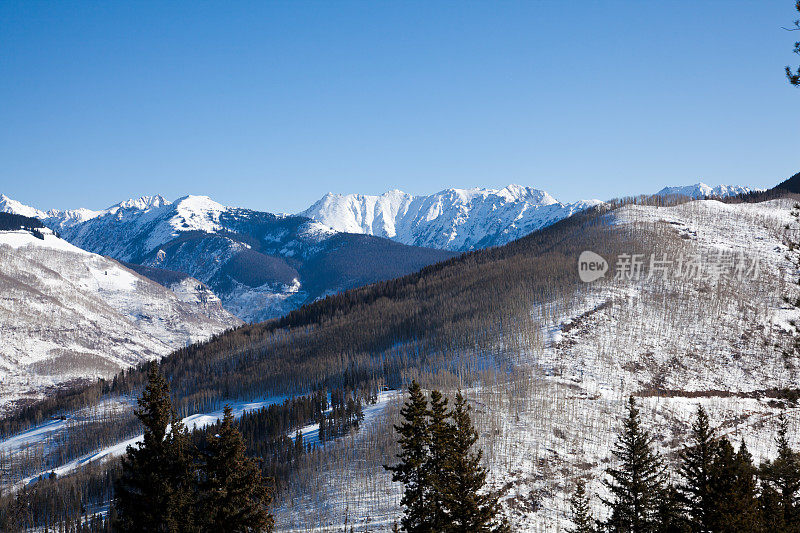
269 105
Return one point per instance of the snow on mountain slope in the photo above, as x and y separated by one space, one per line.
8 205
721 340
701 190
453 219
716 337
69 314
260 265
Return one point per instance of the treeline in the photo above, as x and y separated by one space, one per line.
272 432
11 221
265 433
715 488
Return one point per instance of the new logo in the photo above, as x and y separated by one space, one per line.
591 266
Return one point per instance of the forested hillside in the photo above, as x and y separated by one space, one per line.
546 360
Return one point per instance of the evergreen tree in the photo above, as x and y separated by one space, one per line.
234 497
469 508
794 76
783 476
154 492
441 443
696 464
637 483
581 511
732 488
771 511
722 484
411 470
671 511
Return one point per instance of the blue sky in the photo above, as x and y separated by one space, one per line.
269 105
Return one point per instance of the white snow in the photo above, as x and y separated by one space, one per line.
701 190
453 219
8 205
196 421
69 314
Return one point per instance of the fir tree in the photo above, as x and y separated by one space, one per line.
469 508
783 476
732 489
696 464
441 443
794 76
671 511
411 470
155 492
581 511
234 497
637 483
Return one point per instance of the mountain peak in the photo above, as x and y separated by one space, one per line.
9 205
451 219
142 203
701 190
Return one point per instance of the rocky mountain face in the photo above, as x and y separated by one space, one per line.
67 314
700 190
453 219
259 264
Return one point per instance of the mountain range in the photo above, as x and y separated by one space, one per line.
68 314
260 265
263 265
701 190
452 219
544 358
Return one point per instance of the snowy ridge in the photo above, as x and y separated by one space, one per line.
453 219
259 264
701 190
7 205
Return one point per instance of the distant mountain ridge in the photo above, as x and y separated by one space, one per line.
700 190
261 265
452 219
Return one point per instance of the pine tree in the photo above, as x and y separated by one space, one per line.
181 470
770 510
469 508
637 484
783 476
154 492
746 491
794 76
234 497
441 442
696 464
672 516
722 516
581 511
411 470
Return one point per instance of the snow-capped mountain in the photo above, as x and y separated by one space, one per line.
69 314
261 265
8 205
453 219
701 190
